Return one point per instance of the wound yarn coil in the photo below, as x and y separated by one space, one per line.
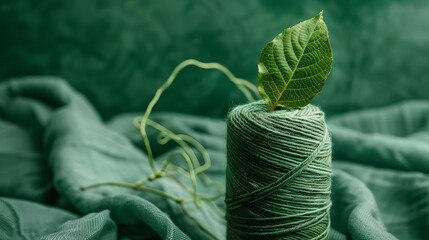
278 176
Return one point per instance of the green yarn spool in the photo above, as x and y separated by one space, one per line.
278 173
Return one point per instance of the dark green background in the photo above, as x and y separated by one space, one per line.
118 52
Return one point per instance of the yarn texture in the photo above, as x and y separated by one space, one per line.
278 177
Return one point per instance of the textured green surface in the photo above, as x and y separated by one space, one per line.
118 53
293 67
379 187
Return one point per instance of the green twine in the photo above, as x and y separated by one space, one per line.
278 173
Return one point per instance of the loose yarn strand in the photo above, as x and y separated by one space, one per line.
243 85
278 173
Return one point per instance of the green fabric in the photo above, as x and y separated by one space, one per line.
118 52
78 149
27 220
53 142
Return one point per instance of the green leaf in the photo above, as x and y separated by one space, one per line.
293 67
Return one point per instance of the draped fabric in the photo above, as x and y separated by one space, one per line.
53 143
